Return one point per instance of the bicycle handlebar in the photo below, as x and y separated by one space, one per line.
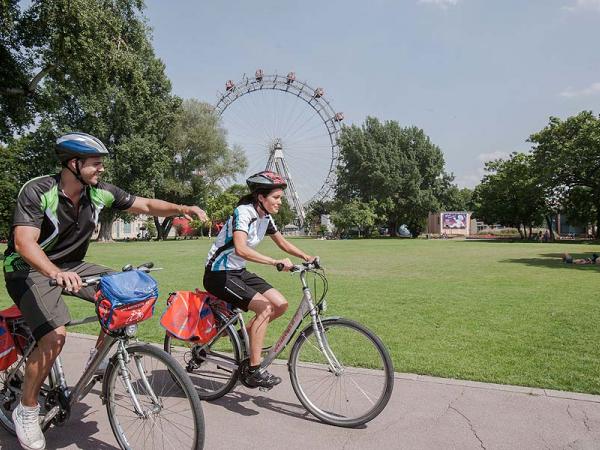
85 281
92 281
315 264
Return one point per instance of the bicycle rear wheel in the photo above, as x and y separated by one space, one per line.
11 384
169 413
356 387
212 368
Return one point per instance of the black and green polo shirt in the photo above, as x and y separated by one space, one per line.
64 232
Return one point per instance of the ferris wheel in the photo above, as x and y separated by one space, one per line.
284 125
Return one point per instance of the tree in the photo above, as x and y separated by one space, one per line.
354 214
398 167
567 156
23 159
199 159
451 197
578 204
221 205
58 48
16 109
151 228
314 212
88 65
285 216
9 188
511 194
198 226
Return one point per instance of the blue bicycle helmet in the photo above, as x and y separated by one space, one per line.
79 145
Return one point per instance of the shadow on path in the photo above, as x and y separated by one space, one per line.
234 402
75 432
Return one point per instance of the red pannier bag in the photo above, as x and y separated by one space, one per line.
189 317
10 314
125 298
8 351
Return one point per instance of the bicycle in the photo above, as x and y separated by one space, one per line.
149 398
320 362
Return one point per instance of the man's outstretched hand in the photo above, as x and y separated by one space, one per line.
195 210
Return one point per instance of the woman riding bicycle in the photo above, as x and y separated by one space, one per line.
226 276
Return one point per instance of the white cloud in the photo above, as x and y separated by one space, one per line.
584 5
441 3
485 157
473 176
593 89
469 180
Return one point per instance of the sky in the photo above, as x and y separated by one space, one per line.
478 76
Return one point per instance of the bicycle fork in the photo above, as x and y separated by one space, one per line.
319 330
123 358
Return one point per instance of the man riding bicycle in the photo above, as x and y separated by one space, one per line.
54 219
225 274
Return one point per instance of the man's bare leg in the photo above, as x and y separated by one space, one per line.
39 363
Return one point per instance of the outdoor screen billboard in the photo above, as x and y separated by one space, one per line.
454 220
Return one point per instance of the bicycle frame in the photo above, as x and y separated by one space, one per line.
305 307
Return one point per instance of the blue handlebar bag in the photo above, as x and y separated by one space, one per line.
125 298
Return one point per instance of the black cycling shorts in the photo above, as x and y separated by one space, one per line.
237 287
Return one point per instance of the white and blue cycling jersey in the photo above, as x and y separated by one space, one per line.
245 218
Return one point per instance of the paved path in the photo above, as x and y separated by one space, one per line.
424 413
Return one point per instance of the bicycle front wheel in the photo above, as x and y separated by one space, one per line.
346 379
151 402
212 368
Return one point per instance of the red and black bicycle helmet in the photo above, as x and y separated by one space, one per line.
265 180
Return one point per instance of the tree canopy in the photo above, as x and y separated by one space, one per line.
398 167
88 65
354 214
198 159
567 157
510 193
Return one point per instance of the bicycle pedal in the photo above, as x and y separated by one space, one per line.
265 389
49 416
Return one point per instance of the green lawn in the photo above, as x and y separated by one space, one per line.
489 311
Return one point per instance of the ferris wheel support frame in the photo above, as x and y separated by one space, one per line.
313 97
277 163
